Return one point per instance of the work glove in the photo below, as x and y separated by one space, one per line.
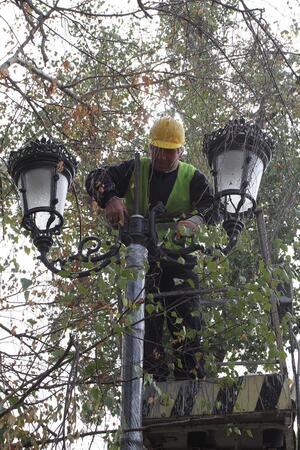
188 227
116 212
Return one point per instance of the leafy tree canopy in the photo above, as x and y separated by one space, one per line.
94 75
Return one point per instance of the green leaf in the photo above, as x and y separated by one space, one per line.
212 266
96 394
179 363
191 283
25 283
27 250
90 368
179 320
149 308
31 322
64 273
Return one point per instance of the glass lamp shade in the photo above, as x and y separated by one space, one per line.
238 155
230 167
38 184
43 171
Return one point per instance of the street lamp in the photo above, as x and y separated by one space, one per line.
238 155
43 171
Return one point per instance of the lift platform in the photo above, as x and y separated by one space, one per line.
254 412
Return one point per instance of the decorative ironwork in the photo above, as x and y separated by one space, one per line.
54 156
236 133
59 162
85 254
31 152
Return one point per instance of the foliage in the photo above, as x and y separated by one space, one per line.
93 75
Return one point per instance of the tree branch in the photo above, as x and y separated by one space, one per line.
41 377
143 9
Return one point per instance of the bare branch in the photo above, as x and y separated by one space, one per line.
142 7
41 377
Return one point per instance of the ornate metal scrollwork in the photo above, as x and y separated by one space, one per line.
239 131
33 149
85 254
88 247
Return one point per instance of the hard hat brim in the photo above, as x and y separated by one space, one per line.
165 145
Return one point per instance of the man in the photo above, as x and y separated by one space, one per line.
183 190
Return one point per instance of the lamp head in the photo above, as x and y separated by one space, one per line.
42 171
238 155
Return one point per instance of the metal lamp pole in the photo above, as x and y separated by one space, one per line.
133 338
133 351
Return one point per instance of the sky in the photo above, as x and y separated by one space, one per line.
281 14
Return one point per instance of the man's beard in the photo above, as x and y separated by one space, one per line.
161 167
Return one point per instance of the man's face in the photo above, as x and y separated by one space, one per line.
164 160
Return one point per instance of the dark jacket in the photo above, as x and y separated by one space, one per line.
106 182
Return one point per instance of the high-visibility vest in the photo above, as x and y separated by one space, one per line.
179 201
178 204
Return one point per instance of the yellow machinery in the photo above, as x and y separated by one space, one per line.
255 412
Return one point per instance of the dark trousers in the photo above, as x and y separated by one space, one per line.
181 312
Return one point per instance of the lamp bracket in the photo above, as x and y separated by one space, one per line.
228 192
233 228
88 252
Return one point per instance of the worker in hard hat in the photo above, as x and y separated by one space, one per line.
182 189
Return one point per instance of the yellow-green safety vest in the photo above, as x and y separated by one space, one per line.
179 202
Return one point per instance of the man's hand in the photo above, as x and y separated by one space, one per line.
115 212
186 228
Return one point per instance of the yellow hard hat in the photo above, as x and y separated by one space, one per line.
167 132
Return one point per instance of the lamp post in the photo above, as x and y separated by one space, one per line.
43 170
238 155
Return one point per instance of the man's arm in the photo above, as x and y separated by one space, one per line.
109 181
108 185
